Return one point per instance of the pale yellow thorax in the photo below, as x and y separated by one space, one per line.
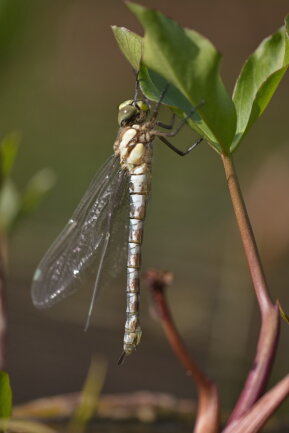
136 156
133 147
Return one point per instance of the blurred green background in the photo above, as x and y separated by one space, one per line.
61 80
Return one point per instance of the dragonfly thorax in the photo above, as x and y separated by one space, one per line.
133 145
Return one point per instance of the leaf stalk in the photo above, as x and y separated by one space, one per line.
270 322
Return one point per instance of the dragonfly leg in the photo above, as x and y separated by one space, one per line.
178 128
181 124
137 88
167 126
178 151
158 104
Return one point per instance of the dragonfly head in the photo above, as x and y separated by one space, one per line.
131 111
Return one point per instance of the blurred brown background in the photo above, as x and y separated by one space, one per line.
61 80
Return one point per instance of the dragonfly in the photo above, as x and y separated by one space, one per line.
85 240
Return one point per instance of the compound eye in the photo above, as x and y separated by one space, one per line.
125 104
126 113
142 106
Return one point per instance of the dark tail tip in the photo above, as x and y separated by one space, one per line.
121 359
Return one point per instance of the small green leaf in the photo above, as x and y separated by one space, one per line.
37 187
130 44
13 207
190 62
5 396
283 314
259 80
9 205
8 151
287 24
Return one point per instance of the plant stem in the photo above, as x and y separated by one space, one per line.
270 322
207 417
247 236
3 321
262 410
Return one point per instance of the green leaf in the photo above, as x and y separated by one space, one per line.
287 24
5 396
259 80
14 207
8 151
190 62
283 314
9 205
130 44
152 85
37 187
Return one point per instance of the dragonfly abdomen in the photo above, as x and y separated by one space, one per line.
139 187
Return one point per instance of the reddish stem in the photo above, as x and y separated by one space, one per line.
207 418
270 322
262 410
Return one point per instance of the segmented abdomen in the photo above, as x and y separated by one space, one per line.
139 188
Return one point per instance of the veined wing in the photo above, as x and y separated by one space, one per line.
86 235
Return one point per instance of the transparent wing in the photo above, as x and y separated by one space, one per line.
85 237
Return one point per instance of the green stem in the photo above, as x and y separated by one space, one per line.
269 331
3 321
